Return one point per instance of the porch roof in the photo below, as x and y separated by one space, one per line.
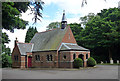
71 46
24 47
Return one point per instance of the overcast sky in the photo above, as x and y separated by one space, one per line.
53 10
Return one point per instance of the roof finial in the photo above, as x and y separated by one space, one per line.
16 38
63 11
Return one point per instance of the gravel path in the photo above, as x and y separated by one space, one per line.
100 72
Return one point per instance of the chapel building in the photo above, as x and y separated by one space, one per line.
56 48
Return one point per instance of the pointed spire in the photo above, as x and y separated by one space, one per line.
64 20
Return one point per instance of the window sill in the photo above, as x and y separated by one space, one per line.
49 61
37 61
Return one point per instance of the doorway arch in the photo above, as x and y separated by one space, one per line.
82 57
29 61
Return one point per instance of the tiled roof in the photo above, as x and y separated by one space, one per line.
71 46
49 40
24 47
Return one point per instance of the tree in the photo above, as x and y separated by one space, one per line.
36 10
86 19
103 31
76 29
12 11
30 33
6 60
53 25
5 39
11 18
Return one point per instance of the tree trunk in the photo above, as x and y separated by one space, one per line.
110 53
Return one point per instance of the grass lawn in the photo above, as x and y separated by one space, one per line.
108 64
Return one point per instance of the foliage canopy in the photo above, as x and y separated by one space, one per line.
30 33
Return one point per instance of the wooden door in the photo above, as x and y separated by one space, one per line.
29 62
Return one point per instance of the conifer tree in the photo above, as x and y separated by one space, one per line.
30 33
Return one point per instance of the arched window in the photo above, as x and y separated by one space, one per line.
81 56
16 57
74 56
49 57
64 57
87 56
37 57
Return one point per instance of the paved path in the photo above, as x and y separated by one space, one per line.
0 74
101 72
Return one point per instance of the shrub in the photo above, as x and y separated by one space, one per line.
78 62
6 61
91 62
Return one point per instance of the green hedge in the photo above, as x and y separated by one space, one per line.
91 62
78 62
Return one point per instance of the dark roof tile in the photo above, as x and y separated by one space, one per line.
24 47
48 40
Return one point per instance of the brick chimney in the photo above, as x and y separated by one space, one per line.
15 43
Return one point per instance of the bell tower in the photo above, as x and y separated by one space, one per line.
64 21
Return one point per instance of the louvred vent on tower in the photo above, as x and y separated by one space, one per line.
64 21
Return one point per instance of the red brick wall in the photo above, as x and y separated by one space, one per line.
43 60
60 62
16 51
65 63
68 62
69 38
22 61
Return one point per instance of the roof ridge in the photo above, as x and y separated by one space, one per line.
24 43
48 30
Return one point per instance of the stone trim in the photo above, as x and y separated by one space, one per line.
76 51
23 61
37 61
65 61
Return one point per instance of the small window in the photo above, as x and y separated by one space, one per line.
49 58
16 57
86 56
64 57
74 56
37 57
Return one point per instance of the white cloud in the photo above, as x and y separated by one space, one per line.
20 34
70 6
73 20
27 16
74 6
45 16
